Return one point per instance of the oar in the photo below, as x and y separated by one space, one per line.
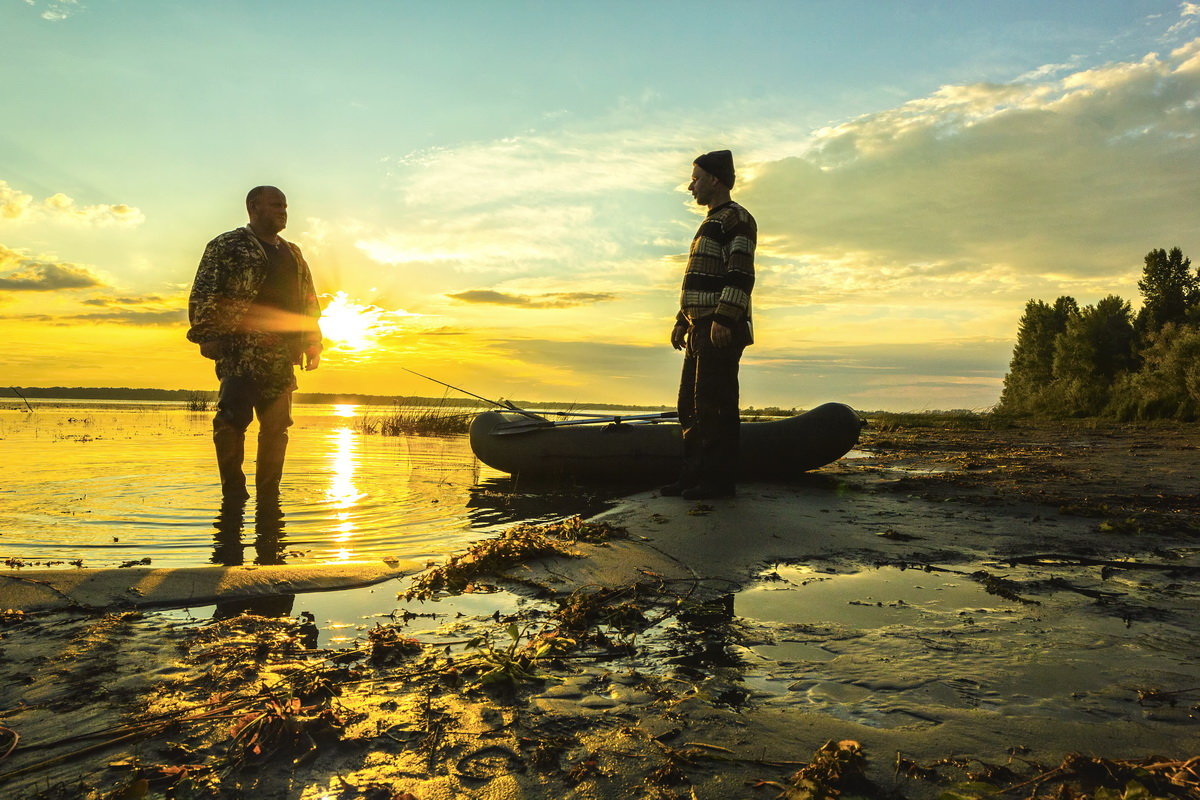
526 427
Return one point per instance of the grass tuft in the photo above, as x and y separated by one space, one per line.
416 421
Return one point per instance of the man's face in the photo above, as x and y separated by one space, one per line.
268 211
702 186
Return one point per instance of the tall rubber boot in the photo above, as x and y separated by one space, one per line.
231 450
268 470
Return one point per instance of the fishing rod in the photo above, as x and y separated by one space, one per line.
539 421
523 426
505 404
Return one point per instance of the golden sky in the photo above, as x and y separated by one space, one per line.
504 208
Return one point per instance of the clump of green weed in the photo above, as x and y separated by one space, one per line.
516 545
515 660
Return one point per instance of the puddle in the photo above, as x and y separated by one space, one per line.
869 599
889 647
342 618
884 647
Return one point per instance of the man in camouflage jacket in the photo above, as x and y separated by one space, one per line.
254 311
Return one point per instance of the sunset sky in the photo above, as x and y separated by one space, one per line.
494 193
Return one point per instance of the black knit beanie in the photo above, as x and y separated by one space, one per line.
719 164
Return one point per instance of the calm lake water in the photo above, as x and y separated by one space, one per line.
112 482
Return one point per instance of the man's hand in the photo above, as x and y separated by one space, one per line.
211 349
721 336
679 336
312 358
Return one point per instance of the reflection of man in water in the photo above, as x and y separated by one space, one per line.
254 311
228 551
713 327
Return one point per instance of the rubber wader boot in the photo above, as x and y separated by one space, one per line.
231 449
268 471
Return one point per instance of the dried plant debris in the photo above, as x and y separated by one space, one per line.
516 545
1001 587
1077 777
389 646
279 725
837 769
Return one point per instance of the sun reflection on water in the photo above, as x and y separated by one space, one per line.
342 493
345 409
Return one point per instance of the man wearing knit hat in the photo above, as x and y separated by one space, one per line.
712 328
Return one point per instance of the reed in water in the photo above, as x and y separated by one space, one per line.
406 420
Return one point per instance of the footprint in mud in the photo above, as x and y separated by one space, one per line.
489 762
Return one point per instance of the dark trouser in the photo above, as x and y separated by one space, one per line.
708 411
239 400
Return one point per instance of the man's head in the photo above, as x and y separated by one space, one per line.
712 176
267 208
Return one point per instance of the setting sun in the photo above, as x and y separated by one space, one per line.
352 326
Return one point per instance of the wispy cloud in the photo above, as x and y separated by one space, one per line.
109 302
990 185
56 10
137 317
548 300
25 273
1189 15
509 238
151 311
19 206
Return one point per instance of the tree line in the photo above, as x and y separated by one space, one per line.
1105 360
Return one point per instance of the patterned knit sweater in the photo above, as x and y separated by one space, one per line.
720 270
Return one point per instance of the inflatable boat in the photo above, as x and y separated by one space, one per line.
641 449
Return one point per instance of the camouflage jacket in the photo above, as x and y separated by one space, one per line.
221 308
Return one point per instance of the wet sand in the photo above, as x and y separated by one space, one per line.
683 658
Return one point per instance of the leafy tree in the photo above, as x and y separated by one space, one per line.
1096 347
1169 290
1032 367
1168 384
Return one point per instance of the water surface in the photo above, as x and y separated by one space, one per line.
113 482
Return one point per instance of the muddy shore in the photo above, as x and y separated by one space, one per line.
968 605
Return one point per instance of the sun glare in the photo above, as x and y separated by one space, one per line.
353 326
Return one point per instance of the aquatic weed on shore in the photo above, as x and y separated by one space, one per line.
516 545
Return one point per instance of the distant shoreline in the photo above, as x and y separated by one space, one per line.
182 395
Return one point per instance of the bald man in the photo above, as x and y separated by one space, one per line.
254 311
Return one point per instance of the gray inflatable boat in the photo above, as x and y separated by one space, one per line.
641 451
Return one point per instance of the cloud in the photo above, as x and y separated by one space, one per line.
549 300
109 302
995 184
550 200
550 165
56 10
18 206
25 274
145 311
1188 14
151 311
135 316
510 237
